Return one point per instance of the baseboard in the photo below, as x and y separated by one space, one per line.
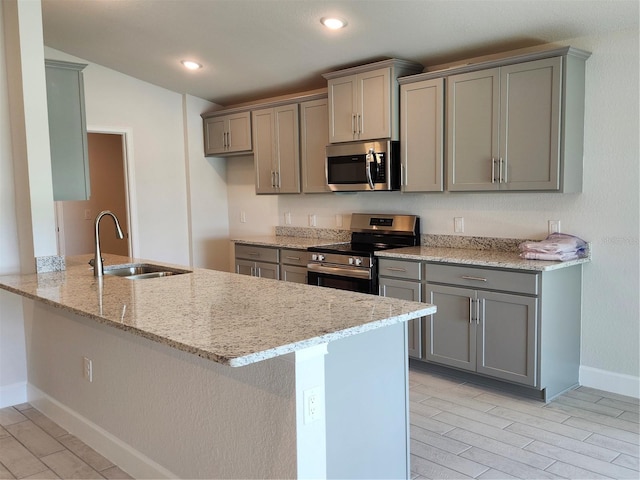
126 457
610 381
13 394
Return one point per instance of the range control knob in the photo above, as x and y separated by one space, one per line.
320 257
350 260
314 257
358 262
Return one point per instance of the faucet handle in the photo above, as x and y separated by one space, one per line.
93 263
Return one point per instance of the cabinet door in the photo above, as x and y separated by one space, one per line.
374 105
239 132
530 125
287 148
264 150
290 273
67 131
412 291
450 333
421 135
245 267
342 108
214 135
472 130
507 337
314 138
267 270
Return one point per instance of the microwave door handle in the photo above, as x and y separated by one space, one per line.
369 163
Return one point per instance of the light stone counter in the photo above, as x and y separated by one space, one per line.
282 241
228 318
480 258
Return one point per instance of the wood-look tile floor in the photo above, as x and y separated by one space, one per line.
33 446
458 430
461 430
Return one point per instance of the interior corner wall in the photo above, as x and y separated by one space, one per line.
207 193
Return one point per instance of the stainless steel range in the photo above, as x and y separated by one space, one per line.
353 266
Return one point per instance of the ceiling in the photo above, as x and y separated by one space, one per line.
254 49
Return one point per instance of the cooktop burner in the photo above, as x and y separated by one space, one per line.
360 249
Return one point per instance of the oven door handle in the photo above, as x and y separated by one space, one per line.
340 271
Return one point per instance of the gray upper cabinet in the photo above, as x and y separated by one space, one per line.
276 149
518 126
227 134
314 137
363 101
67 130
422 135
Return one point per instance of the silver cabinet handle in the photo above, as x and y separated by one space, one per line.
254 254
359 124
503 171
477 311
470 310
396 269
353 123
293 258
277 179
479 279
273 179
493 170
229 139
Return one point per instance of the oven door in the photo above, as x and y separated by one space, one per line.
343 278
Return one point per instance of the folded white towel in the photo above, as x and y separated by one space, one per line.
557 246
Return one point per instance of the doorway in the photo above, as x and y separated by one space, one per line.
109 187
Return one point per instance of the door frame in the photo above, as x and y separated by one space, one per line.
130 193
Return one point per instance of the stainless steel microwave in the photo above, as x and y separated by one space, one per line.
363 166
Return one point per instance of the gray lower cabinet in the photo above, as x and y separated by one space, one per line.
403 279
520 326
293 265
257 261
67 130
486 332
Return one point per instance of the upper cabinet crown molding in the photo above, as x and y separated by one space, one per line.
496 60
405 67
265 104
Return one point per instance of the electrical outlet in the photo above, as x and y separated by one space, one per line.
287 218
458 224
313 220
87 214
554 226
87 369
243 217
338 220
313 408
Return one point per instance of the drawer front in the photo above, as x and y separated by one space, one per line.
484 279
294 257
400 269
258 254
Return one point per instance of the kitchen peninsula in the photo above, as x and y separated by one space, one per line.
160 396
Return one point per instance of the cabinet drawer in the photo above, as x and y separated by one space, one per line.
294 257
400 269
262 254
484 279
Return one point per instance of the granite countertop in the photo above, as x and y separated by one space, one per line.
225 317
282 241
480 258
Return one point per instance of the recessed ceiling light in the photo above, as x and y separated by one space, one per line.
334 23
191 65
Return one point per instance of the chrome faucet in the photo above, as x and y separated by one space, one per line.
98 268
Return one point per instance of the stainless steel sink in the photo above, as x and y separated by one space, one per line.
142 270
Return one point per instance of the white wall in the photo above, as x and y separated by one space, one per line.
606 213
207 188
